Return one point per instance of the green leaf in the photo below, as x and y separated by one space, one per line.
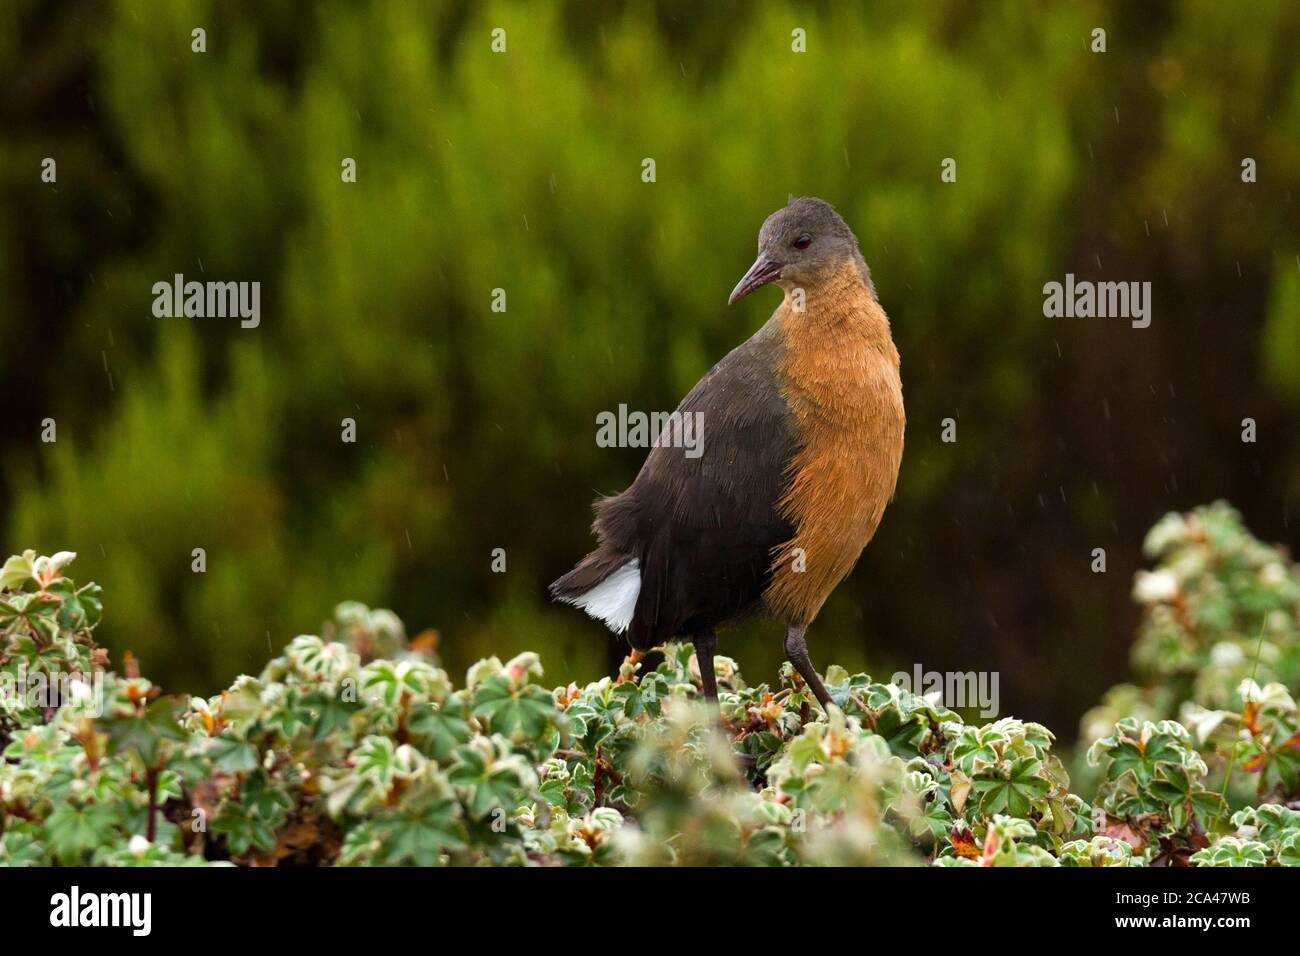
375 760
516 713
76 831
1013 792
232 755
328 712
437 733
265 799
419 836
242 829
145 733
17 571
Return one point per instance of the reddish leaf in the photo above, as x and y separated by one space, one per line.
426 640
1118 829
1256 763
1250 717
963 842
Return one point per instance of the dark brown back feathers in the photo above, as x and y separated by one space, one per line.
703 529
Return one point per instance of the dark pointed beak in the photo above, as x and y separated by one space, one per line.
763 271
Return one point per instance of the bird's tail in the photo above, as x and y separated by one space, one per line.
604 585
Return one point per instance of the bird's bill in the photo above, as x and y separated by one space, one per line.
763 271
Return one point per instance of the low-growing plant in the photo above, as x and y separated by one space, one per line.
1218 650
355 748
1153 795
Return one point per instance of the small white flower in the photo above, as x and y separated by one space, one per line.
80 692
1155 587
1169 531
1272 574
138 845
1226 654
62 559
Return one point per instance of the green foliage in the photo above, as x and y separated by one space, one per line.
1153 790
1274 826
1099 851
335 755
1218 650
1231 851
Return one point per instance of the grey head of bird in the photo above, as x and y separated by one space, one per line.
798 245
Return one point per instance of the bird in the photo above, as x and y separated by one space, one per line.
803 441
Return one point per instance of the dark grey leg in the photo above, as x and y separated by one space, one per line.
705 645
796 649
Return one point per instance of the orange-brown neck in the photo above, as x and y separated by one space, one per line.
840 375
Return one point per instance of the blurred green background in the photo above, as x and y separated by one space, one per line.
522 171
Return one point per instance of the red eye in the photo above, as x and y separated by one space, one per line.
803 242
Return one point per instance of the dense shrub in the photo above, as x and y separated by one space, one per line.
355 748
1218 651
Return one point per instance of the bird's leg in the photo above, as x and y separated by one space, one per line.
705 645
796 649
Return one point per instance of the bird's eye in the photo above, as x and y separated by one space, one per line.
803 242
